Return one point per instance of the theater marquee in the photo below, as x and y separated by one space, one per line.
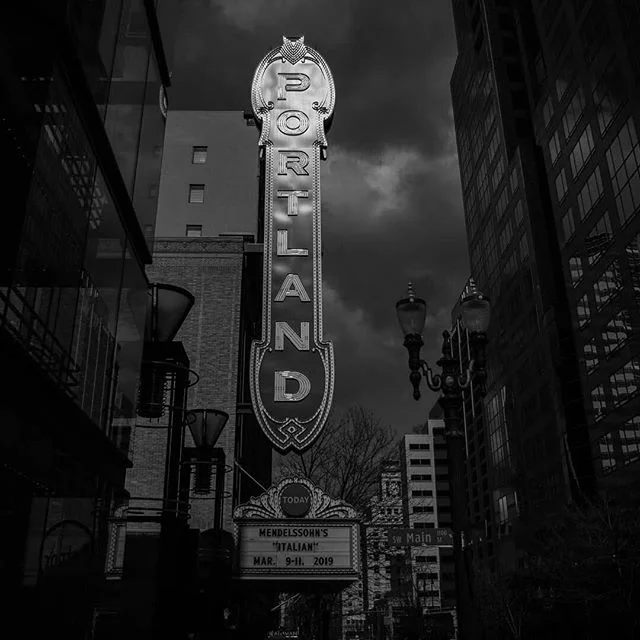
292 369
274 542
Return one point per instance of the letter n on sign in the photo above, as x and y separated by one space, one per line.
292 369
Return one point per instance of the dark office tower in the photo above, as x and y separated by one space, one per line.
586 115
82 94
534 433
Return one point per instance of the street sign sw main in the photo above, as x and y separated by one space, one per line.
420 537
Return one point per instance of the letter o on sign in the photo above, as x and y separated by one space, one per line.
293 122
295 500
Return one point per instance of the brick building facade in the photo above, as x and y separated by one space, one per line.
221 273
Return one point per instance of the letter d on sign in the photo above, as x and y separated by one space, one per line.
279 386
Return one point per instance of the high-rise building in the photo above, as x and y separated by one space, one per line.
586 119
82 114
427 505
546 113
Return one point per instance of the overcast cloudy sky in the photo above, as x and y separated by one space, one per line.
392 208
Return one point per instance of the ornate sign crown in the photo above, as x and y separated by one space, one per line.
268 505
292 368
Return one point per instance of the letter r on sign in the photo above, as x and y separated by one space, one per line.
293 159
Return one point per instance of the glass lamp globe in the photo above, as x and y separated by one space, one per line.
476 312
412 314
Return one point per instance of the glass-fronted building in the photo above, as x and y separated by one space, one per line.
546 114
82 123
586 120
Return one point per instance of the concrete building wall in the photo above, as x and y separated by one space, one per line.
229 174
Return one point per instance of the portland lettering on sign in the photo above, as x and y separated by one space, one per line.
292 368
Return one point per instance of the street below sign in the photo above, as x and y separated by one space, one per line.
420 537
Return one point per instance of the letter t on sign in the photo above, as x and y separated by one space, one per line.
292 200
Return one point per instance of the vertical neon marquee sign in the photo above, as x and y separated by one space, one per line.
292 368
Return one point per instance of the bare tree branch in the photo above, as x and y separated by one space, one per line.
345 460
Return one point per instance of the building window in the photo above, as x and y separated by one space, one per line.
561 185
561 88
608 284
575 270
417 477
423 559
616 332
622 446
199 155
581 151
513 180
573 113
505 236
590 193
196 193
493 145
503 510
547 111
524 248
630 438
417 446
193 231
624 382
599 238
423 509
502 203
607 453
598 402
604 95
554 147
417 493
419 461
623 158
584 311
568 225
591 355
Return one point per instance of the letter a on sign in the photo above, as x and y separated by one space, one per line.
292 367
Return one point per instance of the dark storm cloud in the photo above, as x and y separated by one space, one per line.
391 198
386 58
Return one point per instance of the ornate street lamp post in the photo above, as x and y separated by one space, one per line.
165 377
167 308
215 545
475 310
205 426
